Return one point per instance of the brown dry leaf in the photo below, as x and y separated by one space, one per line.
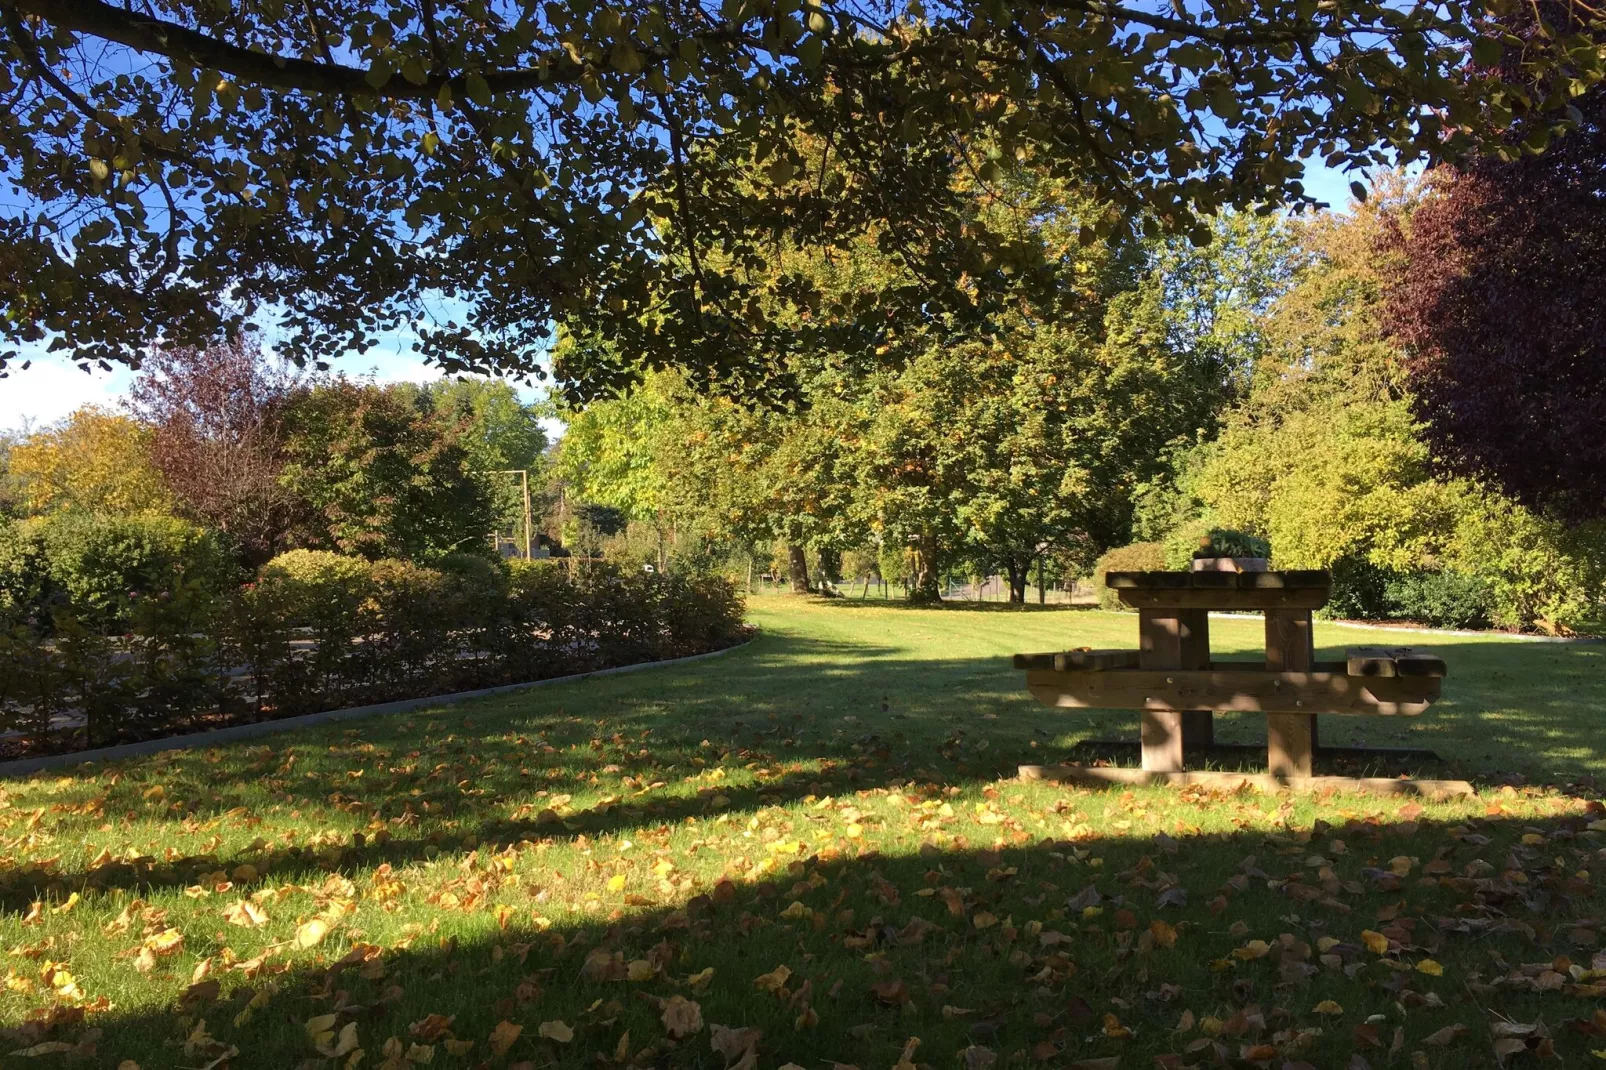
1165 934
682 1017
734 1043
505 1033
891 993
431 1028
1448 1035
979 1058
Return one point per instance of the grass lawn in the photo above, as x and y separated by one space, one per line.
809 852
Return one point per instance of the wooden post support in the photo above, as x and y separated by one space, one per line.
1290 737
1173 639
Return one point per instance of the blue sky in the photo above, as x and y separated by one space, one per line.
54 386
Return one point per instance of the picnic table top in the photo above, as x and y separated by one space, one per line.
1220 581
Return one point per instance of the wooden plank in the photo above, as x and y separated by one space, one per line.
1253 690
1263 782
1235 599
1086 660
1290 737
1392 661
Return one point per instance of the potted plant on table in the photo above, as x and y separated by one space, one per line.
1226 550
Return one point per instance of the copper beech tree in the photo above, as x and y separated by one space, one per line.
482 171
1497 301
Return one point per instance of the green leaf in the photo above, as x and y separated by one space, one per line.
379 73
479 91
1358 191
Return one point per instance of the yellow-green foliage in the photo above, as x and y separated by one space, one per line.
1138 557
93 460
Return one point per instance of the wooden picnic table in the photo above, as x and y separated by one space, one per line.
1177 687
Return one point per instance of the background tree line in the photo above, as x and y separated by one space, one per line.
224 448
1262 382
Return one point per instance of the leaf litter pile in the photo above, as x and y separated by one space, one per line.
541 890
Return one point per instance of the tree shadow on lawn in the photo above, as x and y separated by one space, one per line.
1056 950
632 749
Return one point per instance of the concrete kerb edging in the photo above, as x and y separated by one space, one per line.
1412 629
219 736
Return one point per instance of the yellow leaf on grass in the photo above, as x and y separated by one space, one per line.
505 1033
311 933
1430 967
641 970
321 1029
1376 942
1254 949
246 913
557 1031
984 920
616 883
701 977
72 901
128 1064
1328 1006
773 981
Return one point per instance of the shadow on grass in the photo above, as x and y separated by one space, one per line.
810 716
1054 950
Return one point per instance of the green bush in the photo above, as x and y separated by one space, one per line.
1136 557
1360 591
103 564
1442 599
24 576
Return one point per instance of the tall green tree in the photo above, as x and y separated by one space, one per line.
383 473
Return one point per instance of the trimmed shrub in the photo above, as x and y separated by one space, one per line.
1443 599
1136 557
317 631
103 564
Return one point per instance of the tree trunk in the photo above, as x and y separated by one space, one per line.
797 568
830 564
1017 571
1042 589
923 585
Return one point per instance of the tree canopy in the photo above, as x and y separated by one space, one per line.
482 171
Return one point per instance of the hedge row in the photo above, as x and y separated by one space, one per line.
318 631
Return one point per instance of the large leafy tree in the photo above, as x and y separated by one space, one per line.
383 474
490 168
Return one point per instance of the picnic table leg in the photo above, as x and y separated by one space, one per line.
1290 737
1173 639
